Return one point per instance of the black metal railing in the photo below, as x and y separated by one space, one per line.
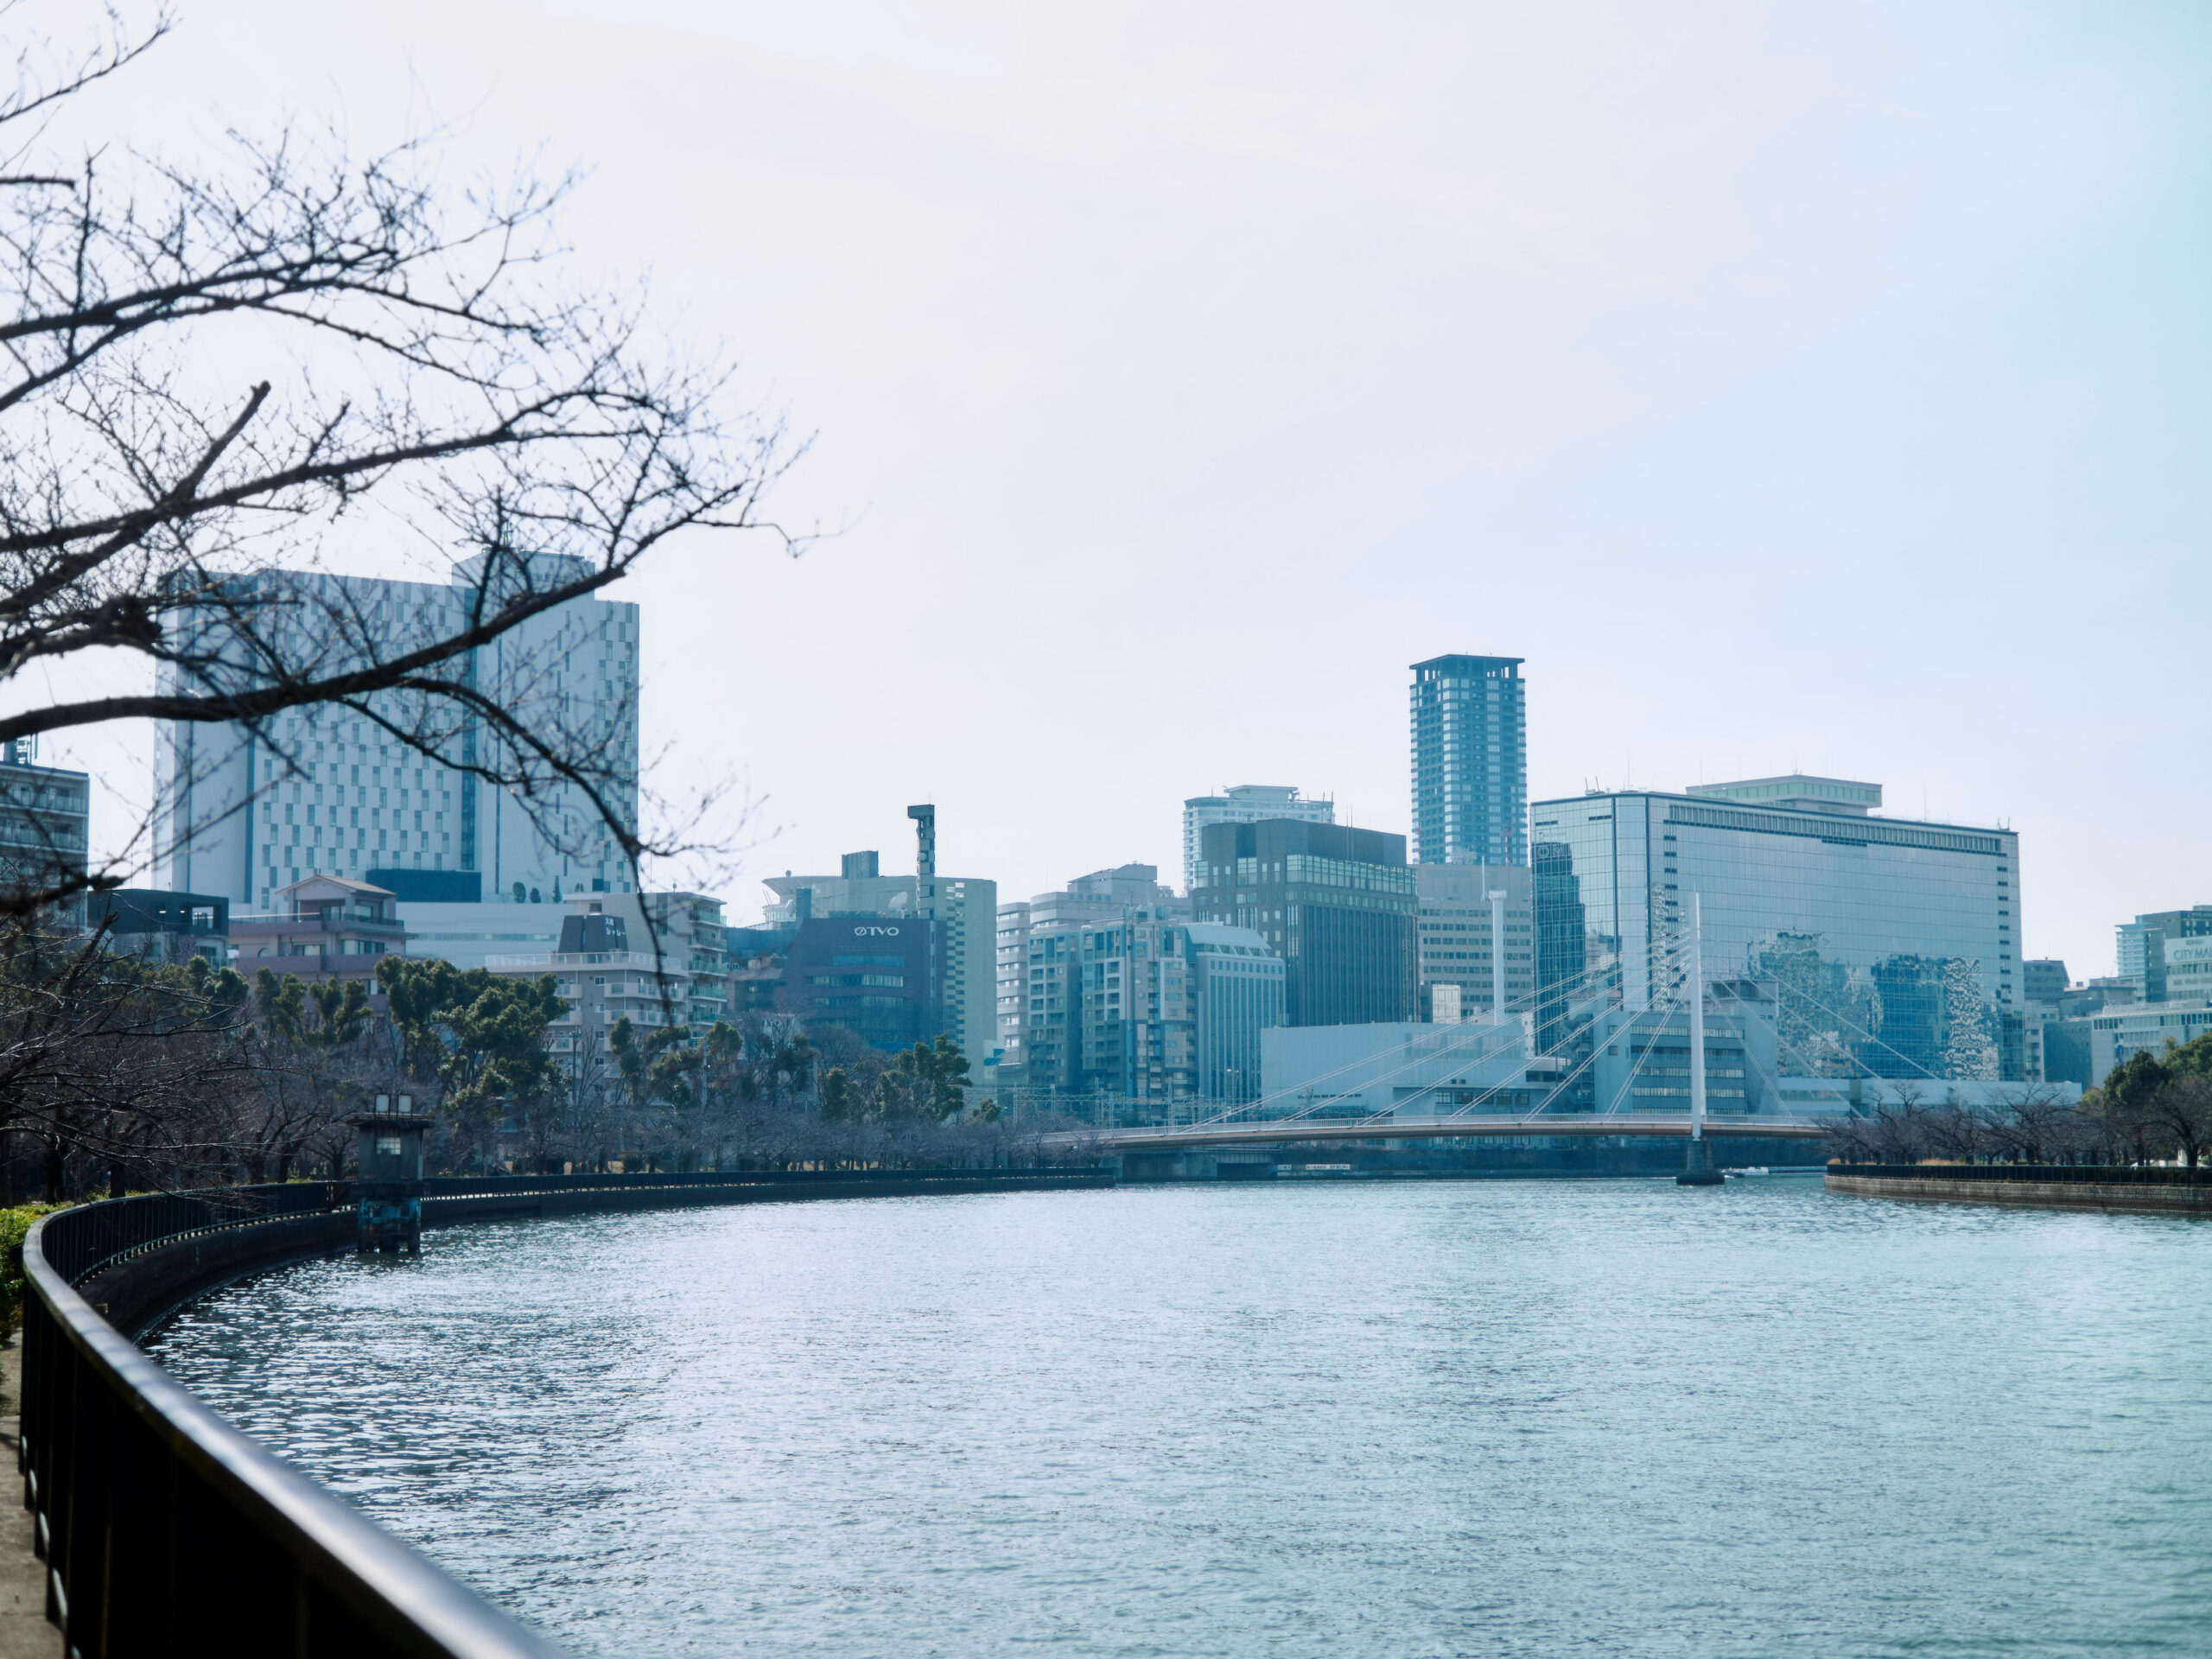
82 1241
166 1530
2074 1174
78 1243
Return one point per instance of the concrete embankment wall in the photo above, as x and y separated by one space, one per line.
137 1295
2128 1197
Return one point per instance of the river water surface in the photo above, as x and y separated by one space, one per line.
1543 1418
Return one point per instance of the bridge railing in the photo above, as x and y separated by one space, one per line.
164 1529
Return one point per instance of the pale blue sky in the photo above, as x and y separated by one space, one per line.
1795 385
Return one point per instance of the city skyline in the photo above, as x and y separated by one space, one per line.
922 826
1841 425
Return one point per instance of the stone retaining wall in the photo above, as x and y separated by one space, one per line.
2146 1199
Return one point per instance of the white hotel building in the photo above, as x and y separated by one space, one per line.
325 790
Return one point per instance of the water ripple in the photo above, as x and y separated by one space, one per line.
1497 1417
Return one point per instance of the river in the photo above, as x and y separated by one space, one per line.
1487 1417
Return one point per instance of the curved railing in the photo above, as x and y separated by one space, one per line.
94 1235
166 1530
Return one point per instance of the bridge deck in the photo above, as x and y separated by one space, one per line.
1578 1124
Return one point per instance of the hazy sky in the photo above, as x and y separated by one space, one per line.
1791 386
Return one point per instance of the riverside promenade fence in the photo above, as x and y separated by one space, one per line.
164 1529
2039 1187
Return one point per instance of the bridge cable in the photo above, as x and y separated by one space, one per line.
1477 1035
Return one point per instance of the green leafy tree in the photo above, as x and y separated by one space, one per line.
417 993
479 1036
924 1082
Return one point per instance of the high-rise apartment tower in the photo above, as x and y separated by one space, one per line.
1470 761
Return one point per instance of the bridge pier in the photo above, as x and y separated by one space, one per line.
1697 1165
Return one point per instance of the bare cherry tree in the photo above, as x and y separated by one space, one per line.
225 378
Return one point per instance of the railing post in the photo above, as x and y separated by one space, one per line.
91 1477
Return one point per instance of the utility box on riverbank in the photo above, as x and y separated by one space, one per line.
388 1191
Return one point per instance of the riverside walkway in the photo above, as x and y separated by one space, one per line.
25 1632
2150 1189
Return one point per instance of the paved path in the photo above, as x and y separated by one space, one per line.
24 1633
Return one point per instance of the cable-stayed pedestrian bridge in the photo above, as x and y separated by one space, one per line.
1441 1125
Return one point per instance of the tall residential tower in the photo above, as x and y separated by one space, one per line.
1470 761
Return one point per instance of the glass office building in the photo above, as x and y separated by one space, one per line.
1891 947
1337 904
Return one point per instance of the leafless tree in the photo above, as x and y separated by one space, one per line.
2039 1125
2181 1112
222 377
114 1060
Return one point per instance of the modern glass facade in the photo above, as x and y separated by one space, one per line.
1891 947
1337 904
1470 761
1236 994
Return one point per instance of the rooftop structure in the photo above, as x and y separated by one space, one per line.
1798 791
1246 804
163 927
325 927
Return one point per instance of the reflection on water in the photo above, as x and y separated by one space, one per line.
1487 1417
